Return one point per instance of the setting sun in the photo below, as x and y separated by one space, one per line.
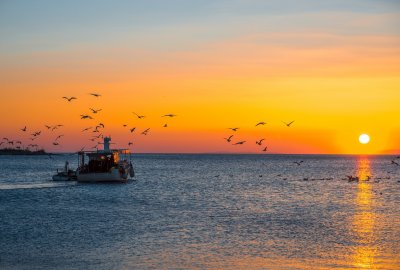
364 138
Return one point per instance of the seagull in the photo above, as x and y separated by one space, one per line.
48 127
298 162
18 142
145 131
124 125
288 124
86 129
6 139
229 139
84 116
169 115
23 129
69 98
132 129
100 125
260 123
265 149
260 142
165 125
94 110
56 143
395 163
95 94
139 116
11 142
130 143
234 129
58 137
241 142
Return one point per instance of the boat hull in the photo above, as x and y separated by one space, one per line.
106 177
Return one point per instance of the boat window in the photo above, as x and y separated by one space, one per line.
116 157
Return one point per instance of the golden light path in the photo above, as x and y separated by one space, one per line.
364 219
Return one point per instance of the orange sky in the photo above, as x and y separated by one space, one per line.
334 84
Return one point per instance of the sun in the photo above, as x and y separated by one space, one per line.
364 138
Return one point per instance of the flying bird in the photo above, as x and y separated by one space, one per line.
395 163
132 129
48 127
241 142
288 124
260 142
260 123
69 98
130 143
165 125
6 139
145 131
58 137
37 133
139 116
94 110
265 149
23 129
229 139
84 116
298 162
56 143
95 94
86 129
124 125
234 129
169 115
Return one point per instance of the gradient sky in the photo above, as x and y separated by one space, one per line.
332 66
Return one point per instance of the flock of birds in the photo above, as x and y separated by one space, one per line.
100 126
258 142
96 130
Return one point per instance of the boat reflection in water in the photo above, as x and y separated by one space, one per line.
363 225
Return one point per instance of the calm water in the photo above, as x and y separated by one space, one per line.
204 212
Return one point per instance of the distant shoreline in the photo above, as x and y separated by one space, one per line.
18 152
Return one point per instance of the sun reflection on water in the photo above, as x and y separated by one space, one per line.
364 219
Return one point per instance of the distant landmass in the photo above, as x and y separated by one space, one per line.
13 151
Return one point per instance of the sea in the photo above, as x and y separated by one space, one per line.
200 211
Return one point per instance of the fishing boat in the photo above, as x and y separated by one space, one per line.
107 165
